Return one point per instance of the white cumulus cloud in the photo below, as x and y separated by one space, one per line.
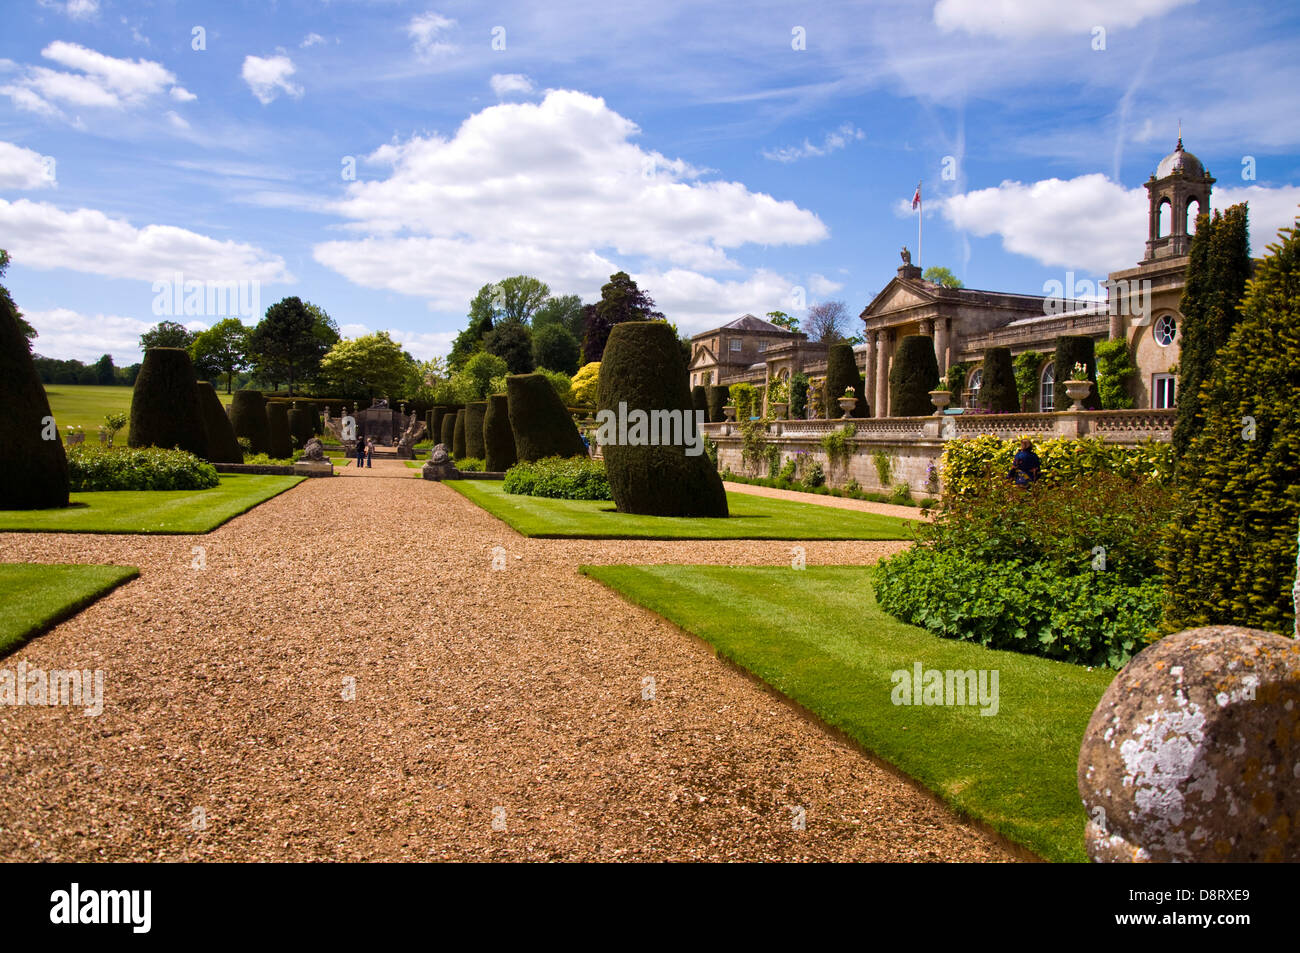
70 335
556 189
87 240
268 77
89 79
22 168
503 84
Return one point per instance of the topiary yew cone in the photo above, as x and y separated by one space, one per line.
33 470
498 438
248 418
165 409
222 445
539 421
475 411
643 369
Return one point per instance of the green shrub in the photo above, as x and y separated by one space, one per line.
498 438
644 368
248 418
915 372
300 426
33 470
165 403
471 464
718 397
1230 557
744 397
458 442
955 381
561 478
841 372
799 396
219 434
447 431
1028 365
998 392
1074 349
541 424
277 428
94 468
900 494
972 465
436 417
475 412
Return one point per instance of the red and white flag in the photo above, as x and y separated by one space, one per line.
916 199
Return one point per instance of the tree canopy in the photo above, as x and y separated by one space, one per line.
939 275
285 345
370 365
620 300
167 334
221 349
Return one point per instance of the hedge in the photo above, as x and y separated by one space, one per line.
447 429
300 426
248 418
33 470
498 438
165 403
475 412
94 468
218 433
998 391
541 425
559 478
915 372
1074 349
643 368
841 372
277 428
1230 557
458 436
970 465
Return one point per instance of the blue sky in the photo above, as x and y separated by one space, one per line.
732 157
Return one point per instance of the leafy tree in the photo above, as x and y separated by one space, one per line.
284 345
167 334
373 364
1217 271
1230 556
783 320
480 369
939 275
511 341
105 372
565 310
1115 368
517 299
620 300
585 383
555 348
827 322
326 328
482 314
221 349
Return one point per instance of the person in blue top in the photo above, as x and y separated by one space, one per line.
1026 467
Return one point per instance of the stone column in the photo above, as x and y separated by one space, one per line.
869 376
941 346
883 347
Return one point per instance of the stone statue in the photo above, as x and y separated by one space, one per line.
907 256
440 454
439 466
314 451
412 435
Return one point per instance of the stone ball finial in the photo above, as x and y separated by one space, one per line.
1193 753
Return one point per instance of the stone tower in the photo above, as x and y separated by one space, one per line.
1179 182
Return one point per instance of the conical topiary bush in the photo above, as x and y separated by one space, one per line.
841 372
248 418
998 392
300 428
165 408
220 435
643 369
498 438
1074 349
458 451
33 470
541 424
915 372
277 428
447 430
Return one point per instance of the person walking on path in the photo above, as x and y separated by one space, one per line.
361 451
1026 468
370 453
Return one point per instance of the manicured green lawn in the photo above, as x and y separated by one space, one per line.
752 517
85 405
818 637
152 511
36 597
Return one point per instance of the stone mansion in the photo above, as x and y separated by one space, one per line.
1141 307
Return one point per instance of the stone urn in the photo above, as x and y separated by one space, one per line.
729 412
941 399
1078 391
847 404
778 409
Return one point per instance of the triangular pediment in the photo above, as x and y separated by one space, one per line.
702 357
899 295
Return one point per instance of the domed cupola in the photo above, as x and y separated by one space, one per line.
1182 184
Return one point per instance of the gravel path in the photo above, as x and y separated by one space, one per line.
482 697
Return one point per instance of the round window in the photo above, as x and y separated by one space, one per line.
1165 329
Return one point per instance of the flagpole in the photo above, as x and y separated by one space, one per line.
920 216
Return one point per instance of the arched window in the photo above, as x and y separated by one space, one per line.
1165 330
1189 218
1164 216
1047 389
973 384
